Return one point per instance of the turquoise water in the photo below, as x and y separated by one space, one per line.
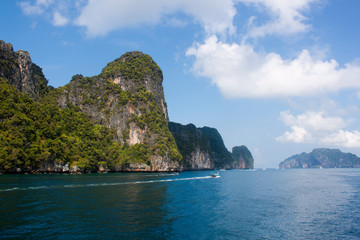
261 204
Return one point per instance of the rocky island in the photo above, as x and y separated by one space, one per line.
114 121
203 148
322 158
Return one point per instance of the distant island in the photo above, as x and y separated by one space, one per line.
115 121
322 158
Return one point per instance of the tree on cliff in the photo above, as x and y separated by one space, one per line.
116 120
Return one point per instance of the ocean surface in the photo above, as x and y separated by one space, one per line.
241 204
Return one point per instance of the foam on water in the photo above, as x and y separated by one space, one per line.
102 184
271 204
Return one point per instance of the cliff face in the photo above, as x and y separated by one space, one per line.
21 72
115 121
128 97
243 157
322 157
203 148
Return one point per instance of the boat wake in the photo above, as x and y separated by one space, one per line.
102 184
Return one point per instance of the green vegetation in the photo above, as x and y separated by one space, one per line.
133 65
149 115
40 80
322 157
37 134
123 155
7 66
153 119
243 153
9 69
34 133
189 138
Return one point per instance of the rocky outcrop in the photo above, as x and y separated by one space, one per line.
322 157
128 97
243 157
203 149
115 121
200 160
21 72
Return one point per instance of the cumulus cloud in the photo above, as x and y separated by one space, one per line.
286 17
241 72
36 8
59 13
101 17
319 128
349 139
59 19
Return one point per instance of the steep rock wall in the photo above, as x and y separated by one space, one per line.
21 72
128 97
115 121
203 148
243 157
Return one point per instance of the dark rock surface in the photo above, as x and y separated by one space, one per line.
21 72
203 148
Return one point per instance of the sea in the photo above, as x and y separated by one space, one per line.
240 204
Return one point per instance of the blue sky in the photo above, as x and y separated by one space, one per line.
281 77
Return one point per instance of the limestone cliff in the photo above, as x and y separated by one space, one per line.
322 157
21 72
243 157
203 149
128 97
115 121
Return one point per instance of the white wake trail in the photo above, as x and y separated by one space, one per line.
101 184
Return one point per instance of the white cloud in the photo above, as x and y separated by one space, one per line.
317 127
215 16
57 12
239 71
297 135
313 121
349 139
286 17
101 17
59 19
37 8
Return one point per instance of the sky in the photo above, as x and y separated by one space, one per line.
278 76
